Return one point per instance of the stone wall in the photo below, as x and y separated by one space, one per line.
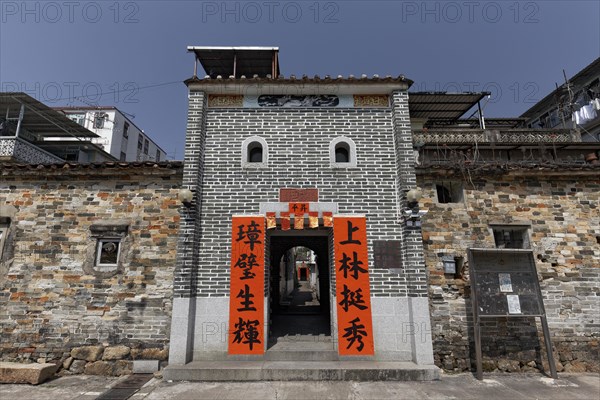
562 209
53 299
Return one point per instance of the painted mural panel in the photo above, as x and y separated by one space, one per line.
353 295
298 101
246 301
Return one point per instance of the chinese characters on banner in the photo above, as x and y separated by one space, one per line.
355 328
298 208
246 301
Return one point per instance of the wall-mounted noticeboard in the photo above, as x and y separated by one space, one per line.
504 283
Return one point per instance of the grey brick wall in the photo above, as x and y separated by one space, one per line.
412 252
190 229
298 144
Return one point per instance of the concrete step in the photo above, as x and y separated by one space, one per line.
301 355
301 371
303 339
302 348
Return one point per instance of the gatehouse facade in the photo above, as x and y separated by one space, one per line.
320 163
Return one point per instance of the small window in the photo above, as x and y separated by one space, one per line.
511 236
140 142
254 153
342 153
126 130
449 192
99 120
146 146
123 156
107 252
79 118
157 155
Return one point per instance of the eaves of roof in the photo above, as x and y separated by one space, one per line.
110 167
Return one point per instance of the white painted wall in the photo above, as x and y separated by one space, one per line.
111 136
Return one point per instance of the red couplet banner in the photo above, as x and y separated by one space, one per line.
353 295
247 287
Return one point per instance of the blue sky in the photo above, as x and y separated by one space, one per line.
132 54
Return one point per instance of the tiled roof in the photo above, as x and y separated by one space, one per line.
303 79
93 166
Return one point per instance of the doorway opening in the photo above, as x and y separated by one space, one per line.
299 290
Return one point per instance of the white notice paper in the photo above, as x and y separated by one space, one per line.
514 306
505 283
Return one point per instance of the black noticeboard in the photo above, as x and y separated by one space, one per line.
504 283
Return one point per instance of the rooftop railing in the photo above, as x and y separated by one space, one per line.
468 136
15 149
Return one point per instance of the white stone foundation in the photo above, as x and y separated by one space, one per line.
401 326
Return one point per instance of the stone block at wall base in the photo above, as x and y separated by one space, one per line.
150 354
87 353
115 353
108 368
26 373
145 366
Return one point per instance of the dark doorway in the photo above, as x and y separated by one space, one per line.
299 286
299 289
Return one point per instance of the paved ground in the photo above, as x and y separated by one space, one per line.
462 386
81 387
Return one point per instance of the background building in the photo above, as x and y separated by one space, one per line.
117 134
31 132
575 104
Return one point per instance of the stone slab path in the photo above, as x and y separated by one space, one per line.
460 386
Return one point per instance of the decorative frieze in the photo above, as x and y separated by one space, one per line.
298 101
372 100
225 101
448 136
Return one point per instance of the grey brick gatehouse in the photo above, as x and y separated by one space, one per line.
369 119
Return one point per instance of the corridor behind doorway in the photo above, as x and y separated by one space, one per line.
300 313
